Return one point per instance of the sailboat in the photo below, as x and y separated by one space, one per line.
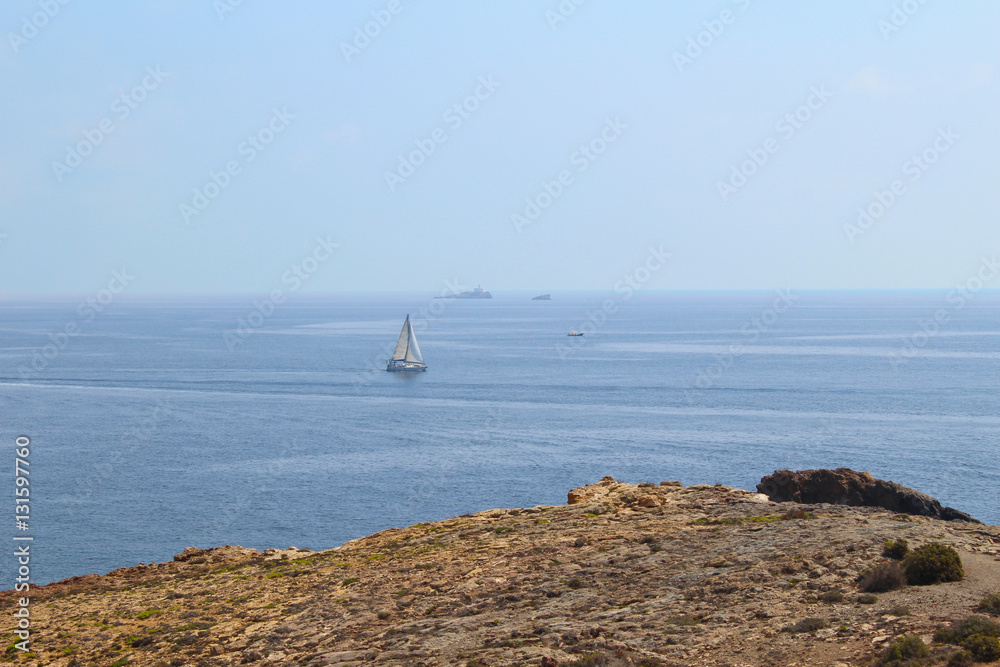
407 356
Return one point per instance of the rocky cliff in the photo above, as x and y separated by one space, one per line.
622 575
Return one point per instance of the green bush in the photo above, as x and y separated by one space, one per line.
933 563
961 659
882 578
983 649
807 625
896 550
619 658
990 604
958 632
831 597
138 641
904 648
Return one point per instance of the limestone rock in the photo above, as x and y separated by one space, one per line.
844 486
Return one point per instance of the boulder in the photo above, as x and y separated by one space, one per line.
844 486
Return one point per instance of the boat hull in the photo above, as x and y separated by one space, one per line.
404 366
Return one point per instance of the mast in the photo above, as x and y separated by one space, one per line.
409 333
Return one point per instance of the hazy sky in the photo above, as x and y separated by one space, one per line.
311 118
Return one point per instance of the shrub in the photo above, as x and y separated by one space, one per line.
619 658
983 649
867 598
807 625
901 610
990 604
832 597
896 550
960 631
961 659
882 578
905 648
683 620
933 563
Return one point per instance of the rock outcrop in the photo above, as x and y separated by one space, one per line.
844 486
627 575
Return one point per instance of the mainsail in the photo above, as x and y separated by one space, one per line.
406 347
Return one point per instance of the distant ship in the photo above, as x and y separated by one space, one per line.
573 333
406 356
543 297
478 293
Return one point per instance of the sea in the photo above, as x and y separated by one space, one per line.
162 423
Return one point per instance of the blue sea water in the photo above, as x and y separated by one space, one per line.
149 434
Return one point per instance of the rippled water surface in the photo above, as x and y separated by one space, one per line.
149 434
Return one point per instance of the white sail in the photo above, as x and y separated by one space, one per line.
404 338
412 349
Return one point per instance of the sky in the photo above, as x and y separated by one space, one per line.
213 146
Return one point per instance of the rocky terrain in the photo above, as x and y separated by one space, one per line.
649 574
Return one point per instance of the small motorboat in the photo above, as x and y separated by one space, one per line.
573 333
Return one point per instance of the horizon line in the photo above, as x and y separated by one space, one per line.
430 292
